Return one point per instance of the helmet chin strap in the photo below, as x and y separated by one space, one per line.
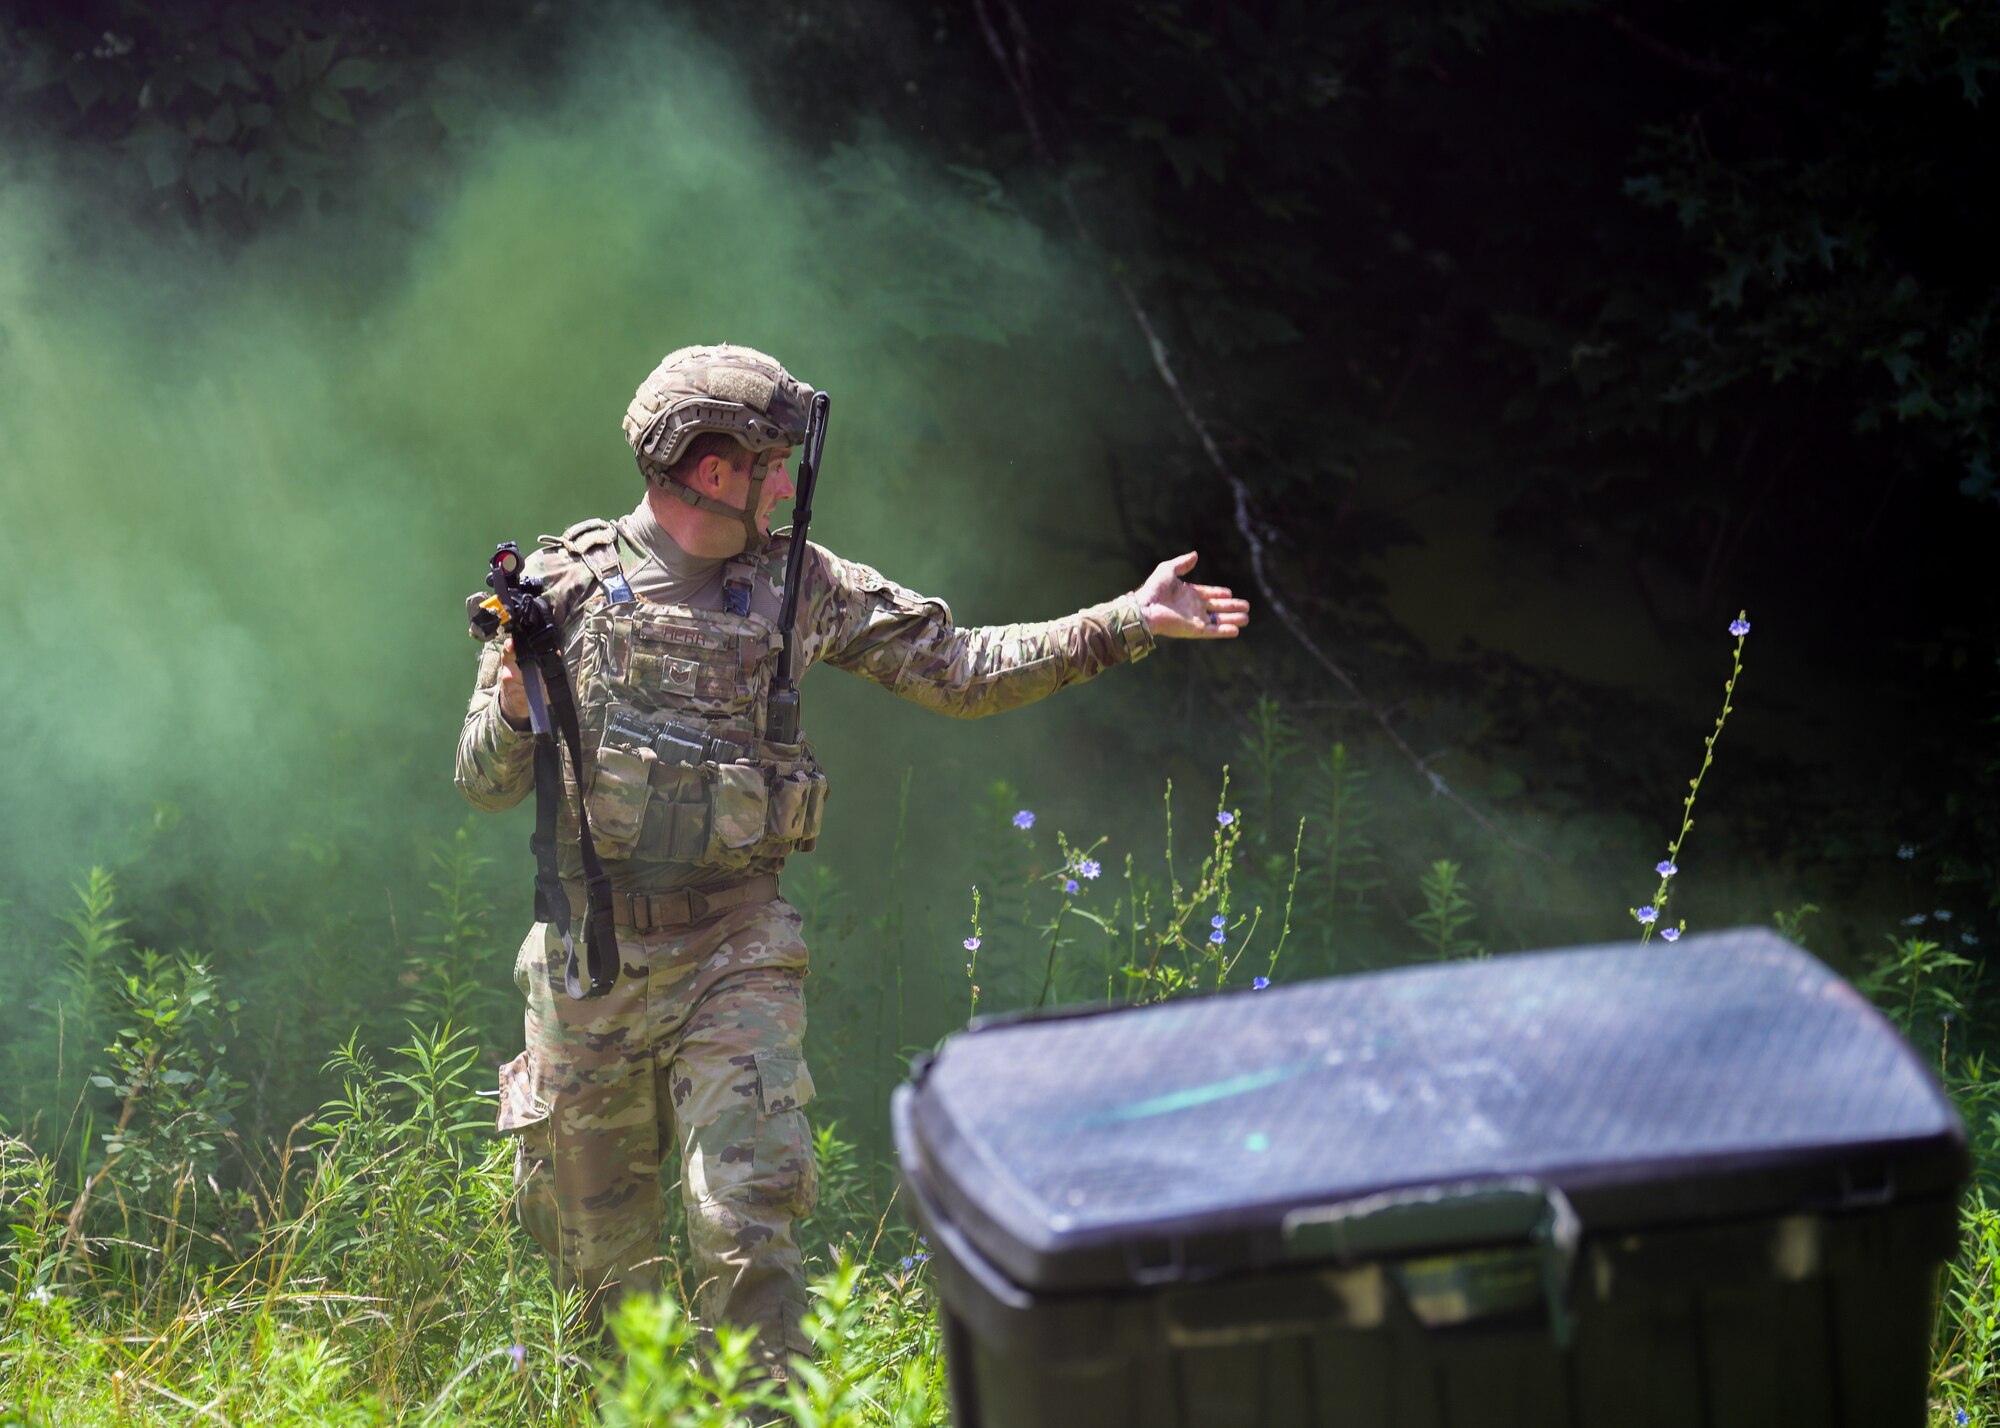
754 540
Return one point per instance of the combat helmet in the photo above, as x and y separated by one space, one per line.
723 388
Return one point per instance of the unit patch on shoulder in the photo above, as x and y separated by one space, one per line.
582 538
589 535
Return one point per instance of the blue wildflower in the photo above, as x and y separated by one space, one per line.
904 1262
1670 934
1218 921
1942 914
1069 885
1024 819
1258 984
1665 868
920 1256
1090 867
1961 1416
519 1354
1648 913
1906 851
1915 919
972 944
1218 936
1739 627
1225 818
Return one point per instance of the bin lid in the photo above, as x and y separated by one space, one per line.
1726 1076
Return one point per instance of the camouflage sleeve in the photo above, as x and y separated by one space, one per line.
495 760
906 642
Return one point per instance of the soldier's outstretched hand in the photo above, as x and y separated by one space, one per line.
1179 609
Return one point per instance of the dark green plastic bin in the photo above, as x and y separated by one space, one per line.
1690 1186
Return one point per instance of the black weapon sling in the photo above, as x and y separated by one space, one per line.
600 936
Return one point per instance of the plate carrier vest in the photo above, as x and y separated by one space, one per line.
671 701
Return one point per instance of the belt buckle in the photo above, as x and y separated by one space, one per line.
697 905
642 913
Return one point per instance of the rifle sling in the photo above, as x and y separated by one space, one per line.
600 938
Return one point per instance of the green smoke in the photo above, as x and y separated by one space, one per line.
244 494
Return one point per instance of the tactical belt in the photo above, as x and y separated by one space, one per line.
654 912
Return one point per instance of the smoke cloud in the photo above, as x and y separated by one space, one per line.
244 494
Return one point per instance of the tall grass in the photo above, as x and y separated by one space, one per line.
161 1266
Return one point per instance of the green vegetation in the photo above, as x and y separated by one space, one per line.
367 1269
162 1267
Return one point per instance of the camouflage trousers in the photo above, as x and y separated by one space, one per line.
694 1054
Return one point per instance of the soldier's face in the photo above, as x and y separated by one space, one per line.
777 486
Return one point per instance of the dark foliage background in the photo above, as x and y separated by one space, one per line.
1540 337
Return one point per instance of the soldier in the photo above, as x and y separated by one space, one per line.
668 619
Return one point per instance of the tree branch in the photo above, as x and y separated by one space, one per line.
1014 69
1713 68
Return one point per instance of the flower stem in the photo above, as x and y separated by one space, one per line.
972 967
1055 941
1661 894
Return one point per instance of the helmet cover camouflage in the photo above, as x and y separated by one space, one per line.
723 387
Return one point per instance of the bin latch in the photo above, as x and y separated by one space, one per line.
1147 1269
1501 1246
1857 1192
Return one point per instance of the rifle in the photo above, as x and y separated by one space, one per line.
781 719
518 607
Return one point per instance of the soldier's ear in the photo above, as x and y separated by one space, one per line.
714 471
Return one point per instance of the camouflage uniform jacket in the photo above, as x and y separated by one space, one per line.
848 615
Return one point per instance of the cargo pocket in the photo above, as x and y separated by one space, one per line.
677 818
525 1117
530 962
620 784
520 1107
738 805
796 801
786 1173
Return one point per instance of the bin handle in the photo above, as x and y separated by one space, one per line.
1492 1213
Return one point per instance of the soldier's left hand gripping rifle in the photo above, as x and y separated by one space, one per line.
517 607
